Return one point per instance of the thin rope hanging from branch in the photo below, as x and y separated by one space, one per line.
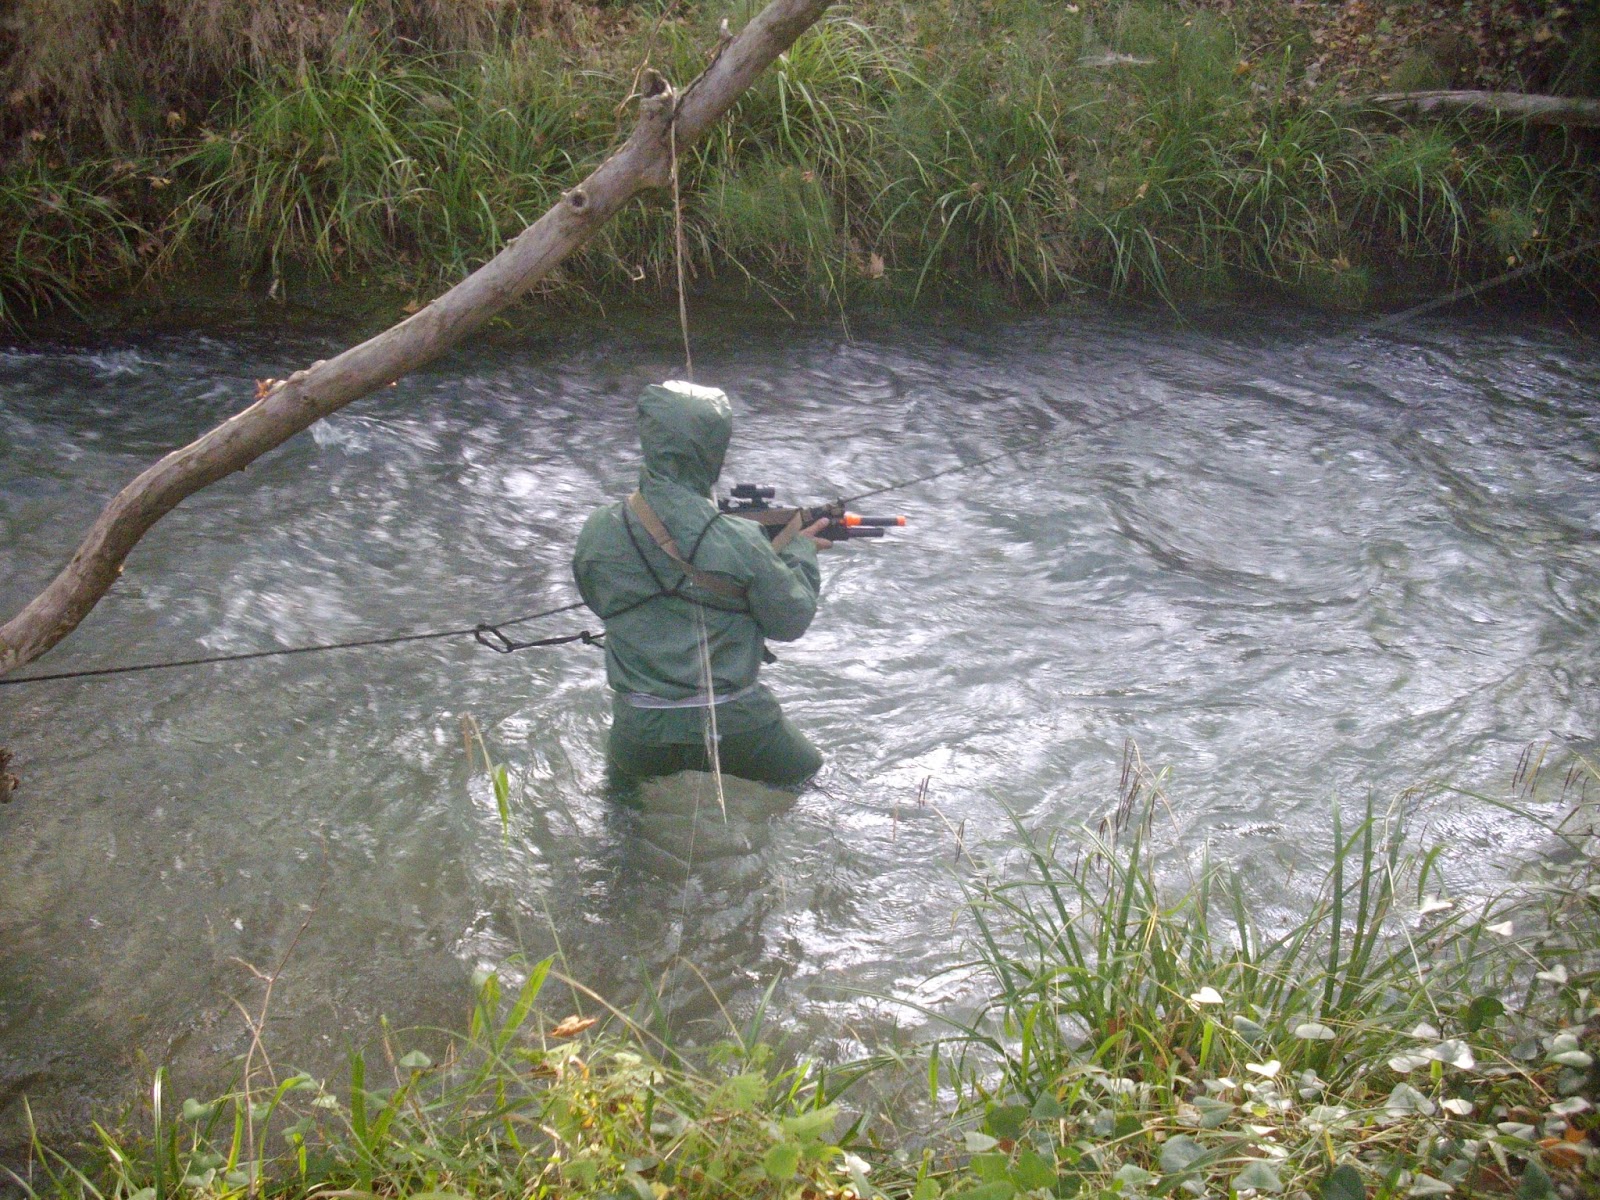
677 246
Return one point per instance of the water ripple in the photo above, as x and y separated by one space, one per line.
1320 572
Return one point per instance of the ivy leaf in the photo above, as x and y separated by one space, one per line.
1403 1063
1005 1120
1482 1011
1002 1190
1454 1052
989 1167
1342 1183
1427 1185
1258 1175
1179 1152
1033 1171
1248 1029
1535 1184
1131 1176
1047 1108
1405 1100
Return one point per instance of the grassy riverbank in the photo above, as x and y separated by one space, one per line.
1138 1038
1010 151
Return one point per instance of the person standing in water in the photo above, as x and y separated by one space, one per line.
689 597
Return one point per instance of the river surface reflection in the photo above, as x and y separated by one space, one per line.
1291 571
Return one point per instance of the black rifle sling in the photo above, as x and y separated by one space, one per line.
717 585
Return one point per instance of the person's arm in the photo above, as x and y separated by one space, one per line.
784 586
586 557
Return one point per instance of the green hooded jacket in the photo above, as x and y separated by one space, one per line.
652 641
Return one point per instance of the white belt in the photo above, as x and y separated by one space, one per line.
698 700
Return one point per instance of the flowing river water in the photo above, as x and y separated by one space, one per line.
1293 571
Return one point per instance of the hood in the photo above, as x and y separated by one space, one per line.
684 432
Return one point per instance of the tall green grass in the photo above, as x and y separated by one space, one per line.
516 1106
64 233
381 163
1141 1032
1152 1039
114 75
892 155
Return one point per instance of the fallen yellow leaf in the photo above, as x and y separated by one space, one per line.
572 1026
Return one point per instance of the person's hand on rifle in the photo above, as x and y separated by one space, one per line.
812 530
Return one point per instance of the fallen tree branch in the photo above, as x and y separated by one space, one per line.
1517 106
642 162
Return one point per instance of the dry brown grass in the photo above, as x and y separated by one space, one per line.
122 74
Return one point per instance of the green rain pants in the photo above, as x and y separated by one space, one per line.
777 754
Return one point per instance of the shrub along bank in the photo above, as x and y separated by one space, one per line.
1004 150
1137 1040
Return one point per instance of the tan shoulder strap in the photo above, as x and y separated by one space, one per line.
717 585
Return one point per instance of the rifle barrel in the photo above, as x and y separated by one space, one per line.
843 533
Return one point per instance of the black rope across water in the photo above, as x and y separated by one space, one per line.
1321 344
486 635
1032 448
492 637
1461 293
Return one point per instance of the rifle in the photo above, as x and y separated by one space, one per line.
753 502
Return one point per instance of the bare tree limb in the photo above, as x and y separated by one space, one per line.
325 387
1535 110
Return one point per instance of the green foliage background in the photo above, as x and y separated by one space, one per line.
1012 151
